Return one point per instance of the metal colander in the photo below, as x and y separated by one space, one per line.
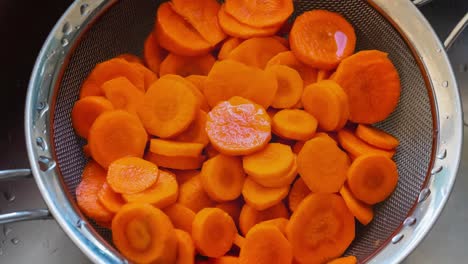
427 120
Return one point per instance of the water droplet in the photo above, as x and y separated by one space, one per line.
6 230
409 221
439 50
423 195
41 105
52 53
77 27
447 117
442 154
84 9
66 29
40 143
436 170
43 108
46 163
10 197
397 238
64 42
15 241
445 83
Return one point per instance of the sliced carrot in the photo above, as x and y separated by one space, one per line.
376 137
152 53
230 78
123 94
107 146
289 86
196 132
232 208
198 94
177 163
238 127
171 148
168 107
294 124
184 175
222 177
213 232
322 39
111 200
280 223
235 28
130 58
177 35
193 196
228 45
322 165
239 241
108 70
282 40
265 244
198 81
203 16
225 260
144 234
181 216
323 75
261 198
344 102
148 75
372 84
185 66
356 147
372 178
250 217
185 248
256 52
131 175
308 74
344 260
86 110
86 151
280 181
298 192
260 13
360 210
93 178
321 228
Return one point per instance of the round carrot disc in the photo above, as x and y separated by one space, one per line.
86 110
131 175
294 124
260 13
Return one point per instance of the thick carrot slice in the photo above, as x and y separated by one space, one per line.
185 66
260 13
232 208
107 146
193 196
228 45
322 165
86 110
294 124
87 191
261 198
238 127
344 260
123 94
256 52
280 223
130 58
168 107
289 86
298 192
344 102
144 234
185 248
274 161
323 75
372 84
222 177
152 53
198 94
196 132
250 217
148 75
321 228
131 175
281 181
308 74
181 216
111 200
213 232
265 244
184 175
177 163
198 81
372 178
356 147
177 35
171 148
376 137
225 260
360 210
108 70
235 28
203 16
322 39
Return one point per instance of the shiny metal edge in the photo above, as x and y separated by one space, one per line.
28 215
40 98
429 50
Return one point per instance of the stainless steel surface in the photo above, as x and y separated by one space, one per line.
27 215
15 174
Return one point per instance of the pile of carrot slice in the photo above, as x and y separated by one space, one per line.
228 143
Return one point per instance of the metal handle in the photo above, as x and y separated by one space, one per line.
15 174
420 3
25 216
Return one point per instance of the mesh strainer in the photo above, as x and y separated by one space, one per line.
428 120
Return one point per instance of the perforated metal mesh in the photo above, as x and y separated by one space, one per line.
124 27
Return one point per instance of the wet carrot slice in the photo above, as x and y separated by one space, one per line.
356 147
360 210
198 81
298 192
260 197
376 137
290 86
181 216
131 175
152 53
111 200
176 162
256 52
123 94
172 148
86 110
196 132
287 58
294 124
228 45
148 75
185 248
193 196
280 181
130 58
250 217
259 13
232 208
185 66
185 175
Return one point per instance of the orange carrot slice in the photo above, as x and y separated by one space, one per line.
225 260
260 13
177 163
184 175
261 198
294 124
123 94
356 147
228 45
185 66
198 94
289 86
360 210
171 148
131 175
323 75
111 200
298 192
256 52
280 223
344 260
250 217
86 151
235 28
86 110
232 208
198 81
130 58
287 58
196 132
152 53
185 248
148 75
376 137
181 216
193 196
280 181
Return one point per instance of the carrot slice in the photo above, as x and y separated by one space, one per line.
281 181
294 124
203 16
322 165
376 137
213 232
372 84
265 244
298 192
181 216
152 53
280 223
225 260
287 58
177 35
86 110
323 75
185 66
168 108
193 196
238 127
235 28
229 78
144 234
196 132
344 260
356 147
372 178
250 217
316 29
321 228
106 145
198 94
344 102
360 210
174 149
259 13
123 94
111 200
148 75
256 52
131 175
178 163
93 178
185 248
108 70
228 45
232 208
86 151
289 86
198 81
184 175
261 198
222 177
130 58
